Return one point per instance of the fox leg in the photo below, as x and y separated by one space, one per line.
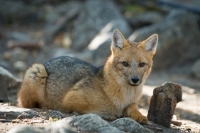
133 112
32 91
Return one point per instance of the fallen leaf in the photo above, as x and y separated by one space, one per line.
50 119
55 119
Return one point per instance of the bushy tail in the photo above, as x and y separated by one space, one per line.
32 91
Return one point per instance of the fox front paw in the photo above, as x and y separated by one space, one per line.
140 119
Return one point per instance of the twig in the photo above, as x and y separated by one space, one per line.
176 123
25 45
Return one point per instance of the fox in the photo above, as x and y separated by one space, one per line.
111 91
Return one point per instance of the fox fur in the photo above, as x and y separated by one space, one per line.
112 91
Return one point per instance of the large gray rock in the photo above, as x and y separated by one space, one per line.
57 18
9 78
13 10
54 12
94 123
7 81
99 47
145 19
88 123
95 15
178 39
91 123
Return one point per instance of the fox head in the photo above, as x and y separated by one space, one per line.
131 61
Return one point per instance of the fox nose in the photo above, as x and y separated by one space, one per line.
134 79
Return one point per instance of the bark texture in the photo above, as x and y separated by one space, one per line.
163 103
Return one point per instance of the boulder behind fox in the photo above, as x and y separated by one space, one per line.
112 91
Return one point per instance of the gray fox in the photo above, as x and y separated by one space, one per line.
111 91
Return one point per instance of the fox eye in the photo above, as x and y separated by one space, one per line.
125 64
141 64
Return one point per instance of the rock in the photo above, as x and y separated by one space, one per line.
54 114
178 39
191 6
26 129
5 65
57 127
100 45
18 36
60 127
163 103
20 66
91 123
130 126
14 113
145 19
19 11
195 71
85 123
53 12
95 15
11 81
60 16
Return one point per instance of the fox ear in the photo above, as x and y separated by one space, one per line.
117 39
150 43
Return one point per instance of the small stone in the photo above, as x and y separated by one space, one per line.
66 41
54 114
20 66
130 126
20 113
6 56
19 54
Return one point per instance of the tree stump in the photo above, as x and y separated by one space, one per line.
163 103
